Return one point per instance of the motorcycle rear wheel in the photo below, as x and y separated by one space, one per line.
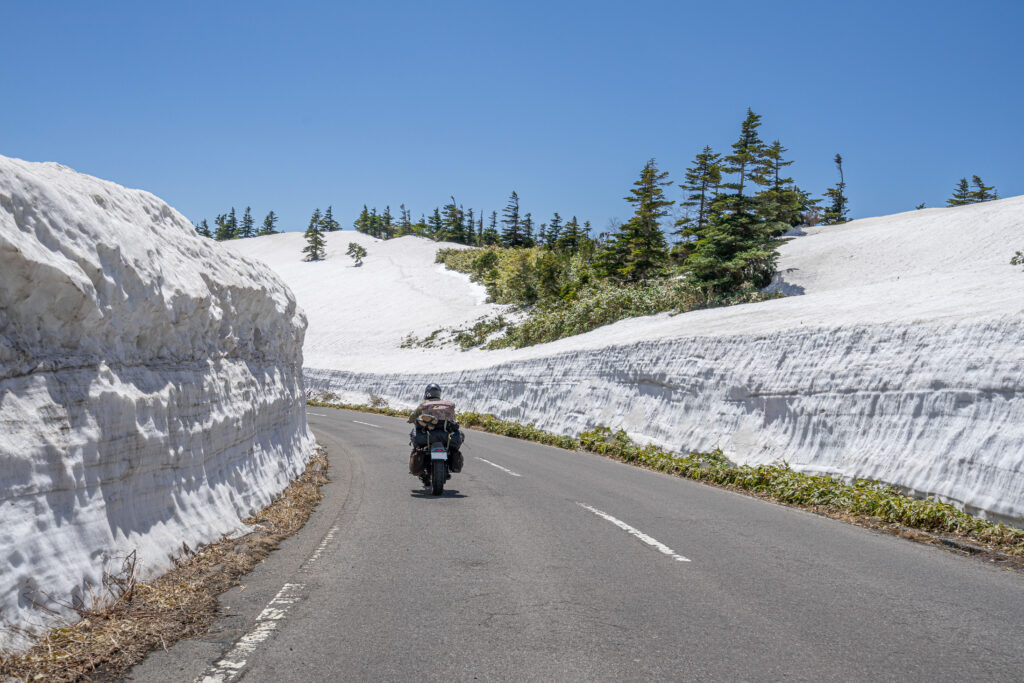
437 477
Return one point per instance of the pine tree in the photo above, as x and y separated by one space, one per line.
571 237
223 231
387 223
470 229
452 218
700 185
735 248
357 252
328 224
435 225
512 233
232 223
269 225
203 228
362 223
490 236
836 211
404 221
248 227
961 195
527 227
984 192
315 246
638 250
554 231
782 203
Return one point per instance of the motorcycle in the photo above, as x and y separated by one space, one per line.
436 472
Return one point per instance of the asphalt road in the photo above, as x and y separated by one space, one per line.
539 564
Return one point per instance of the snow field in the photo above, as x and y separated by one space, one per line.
150 386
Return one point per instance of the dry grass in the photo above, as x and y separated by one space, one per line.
126 619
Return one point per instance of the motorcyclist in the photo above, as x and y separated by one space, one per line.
432 415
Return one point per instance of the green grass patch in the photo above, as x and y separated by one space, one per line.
777 482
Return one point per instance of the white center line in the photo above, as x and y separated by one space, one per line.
503 469
317 414
367 424
230 665
654 543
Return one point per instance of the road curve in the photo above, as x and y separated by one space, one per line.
543 564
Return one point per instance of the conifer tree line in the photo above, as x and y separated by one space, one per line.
227 226
963 194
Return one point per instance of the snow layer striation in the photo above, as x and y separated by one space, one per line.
150 385
898 356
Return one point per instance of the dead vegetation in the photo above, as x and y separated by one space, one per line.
123 619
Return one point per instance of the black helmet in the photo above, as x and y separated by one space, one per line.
432 391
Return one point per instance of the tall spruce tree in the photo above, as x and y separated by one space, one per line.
223 231
781 203
404 221
571 237
982 192
490 236
527 227
512 234
203 228
961 195
836 211
736 249
387 223
435 225
554 231
700 185
315 248
362 223
329 224
248 226
639 250
269 226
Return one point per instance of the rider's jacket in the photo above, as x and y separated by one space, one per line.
434 414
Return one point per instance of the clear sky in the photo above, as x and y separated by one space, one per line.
295 105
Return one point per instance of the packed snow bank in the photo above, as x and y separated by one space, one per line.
150 385
899 356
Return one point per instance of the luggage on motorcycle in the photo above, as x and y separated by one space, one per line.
436 414
455 460
417 462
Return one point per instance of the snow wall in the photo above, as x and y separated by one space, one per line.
150 386
947 420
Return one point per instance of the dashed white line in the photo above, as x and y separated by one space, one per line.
503 469
317 414
654 543
230 665
367 424
319 549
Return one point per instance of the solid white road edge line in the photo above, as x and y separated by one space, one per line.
230 665
654 543
316 414
367 424
503 469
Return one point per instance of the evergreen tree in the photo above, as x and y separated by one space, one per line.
387 223
735 247
357 252
700 186
315 248
269 225
435 225
554 231
984 192
329 224
223 231
490 236
203 228
248 227
638 250
452 217
782 203
512 233
836 211
571 237
232 223
527 228
362 223
404 221
961 195
470 227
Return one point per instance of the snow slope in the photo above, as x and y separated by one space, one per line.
899 357
150 385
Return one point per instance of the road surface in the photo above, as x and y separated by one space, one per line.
539 564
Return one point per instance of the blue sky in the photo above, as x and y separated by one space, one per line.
292 106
